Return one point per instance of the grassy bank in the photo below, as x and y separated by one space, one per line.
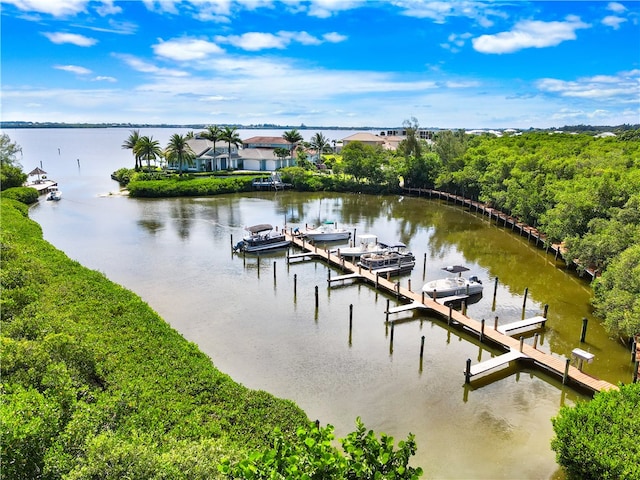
96 384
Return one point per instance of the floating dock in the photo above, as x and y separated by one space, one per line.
516 350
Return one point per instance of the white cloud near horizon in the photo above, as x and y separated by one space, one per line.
72 38
529 34
624 87
146 67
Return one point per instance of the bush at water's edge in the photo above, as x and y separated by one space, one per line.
94 382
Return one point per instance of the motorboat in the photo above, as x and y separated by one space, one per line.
394 259
262 237
366 243
54 194
454 285
327 232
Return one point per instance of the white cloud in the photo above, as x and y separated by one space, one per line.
101 78
255 41
107 8
73 69
440 11
73 38
146 67
186 49
621 88
529 34
57 8
328 8
616 7
334 37
613 21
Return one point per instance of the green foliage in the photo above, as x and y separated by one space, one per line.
364 161
598 439
11 174
312 456
26 195
617 293
189 187
96 385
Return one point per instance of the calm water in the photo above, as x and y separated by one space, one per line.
242 312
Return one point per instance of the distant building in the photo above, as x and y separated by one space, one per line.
258 153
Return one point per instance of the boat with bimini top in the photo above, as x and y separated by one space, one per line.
262 237
327 232
394 259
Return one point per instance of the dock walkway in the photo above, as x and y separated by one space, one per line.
558 367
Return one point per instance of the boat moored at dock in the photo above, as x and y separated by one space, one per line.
394 260
454 285
327 232
262 237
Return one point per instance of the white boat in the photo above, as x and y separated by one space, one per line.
54 194
261 237
366 243
327 232
394 259
454 285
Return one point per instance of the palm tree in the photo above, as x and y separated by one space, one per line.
293 137
130 144
213 133
148 149
230 135
179 151
320 144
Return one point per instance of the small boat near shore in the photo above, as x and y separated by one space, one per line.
394 260
54 194
454 285
261 238
327 232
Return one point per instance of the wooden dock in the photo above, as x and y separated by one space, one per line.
522 325
558 367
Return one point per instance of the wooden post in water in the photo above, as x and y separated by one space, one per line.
495 292
424 266
232 243
295 284
535 340
274 272
583 335
422 347
482 330
524 302
316 297
546 310
464 307
409 285
434 294
467 372
391 338
565 377
521 343
387 312
495 323
449 317
350 318
398 289
422 297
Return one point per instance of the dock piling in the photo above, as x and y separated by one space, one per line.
583 334
274 272
565 377
387 318
482 330
521 343
295 284
495 323
546 310
535 340
421 347
317 297
467 372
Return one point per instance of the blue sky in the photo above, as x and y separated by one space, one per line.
346 63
